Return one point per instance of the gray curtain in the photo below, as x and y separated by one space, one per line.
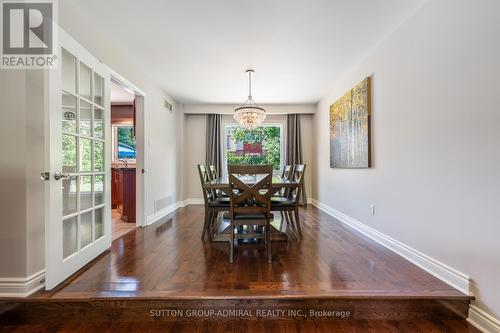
214 144
294 147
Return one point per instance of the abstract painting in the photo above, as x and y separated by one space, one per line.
350 128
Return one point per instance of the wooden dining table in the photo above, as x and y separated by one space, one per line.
222 232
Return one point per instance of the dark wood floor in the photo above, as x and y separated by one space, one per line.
258 326
166 266
168 260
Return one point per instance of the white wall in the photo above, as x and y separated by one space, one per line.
436 132
22 191
194 153
13 173
195 132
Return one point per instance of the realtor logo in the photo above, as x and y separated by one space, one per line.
27 34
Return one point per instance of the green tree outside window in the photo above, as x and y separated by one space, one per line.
267 137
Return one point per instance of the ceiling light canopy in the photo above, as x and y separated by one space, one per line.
250 115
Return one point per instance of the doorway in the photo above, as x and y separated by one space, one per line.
127 157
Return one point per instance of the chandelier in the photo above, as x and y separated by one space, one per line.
249 115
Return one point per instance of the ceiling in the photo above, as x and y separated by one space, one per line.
120 95
198 50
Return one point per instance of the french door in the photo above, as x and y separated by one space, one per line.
78 214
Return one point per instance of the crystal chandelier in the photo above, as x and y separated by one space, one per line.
250 115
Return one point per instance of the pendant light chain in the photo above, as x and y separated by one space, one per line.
250 115
249 85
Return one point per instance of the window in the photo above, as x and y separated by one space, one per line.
263 145
123 142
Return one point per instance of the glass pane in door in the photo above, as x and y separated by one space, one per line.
98 89
99 189
85 119
99 223
69 195
69 153
98 156
98 123
86 229
68 64
85 155
85 82
85 192
68 113
70 236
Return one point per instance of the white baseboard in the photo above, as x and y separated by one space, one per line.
442 271
171 208
483 321
194 201
164 212
22 287
183 203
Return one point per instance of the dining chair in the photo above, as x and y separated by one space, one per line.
250 204
289 203
213 205
212 172
287 172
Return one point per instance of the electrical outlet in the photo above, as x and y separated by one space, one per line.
372 210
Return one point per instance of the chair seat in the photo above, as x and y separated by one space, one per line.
253 216
282 201
219 202
221 194
279 198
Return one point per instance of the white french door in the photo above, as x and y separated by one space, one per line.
78 218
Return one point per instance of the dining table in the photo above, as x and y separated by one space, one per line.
221 231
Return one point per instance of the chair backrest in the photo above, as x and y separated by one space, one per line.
212 172
287 172
252 196
298 177
298 173
204 178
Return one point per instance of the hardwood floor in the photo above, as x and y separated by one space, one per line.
166 266
119 227
168 260
258 326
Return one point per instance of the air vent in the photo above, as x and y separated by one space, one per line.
163 203
169 106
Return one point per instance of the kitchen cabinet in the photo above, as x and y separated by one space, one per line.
123 189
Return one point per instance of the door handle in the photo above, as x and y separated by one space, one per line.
61 175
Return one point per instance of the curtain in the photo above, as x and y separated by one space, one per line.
294 147
213 141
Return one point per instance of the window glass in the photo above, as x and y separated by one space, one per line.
258 146
124 142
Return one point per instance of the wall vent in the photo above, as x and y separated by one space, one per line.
162 203
168 106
